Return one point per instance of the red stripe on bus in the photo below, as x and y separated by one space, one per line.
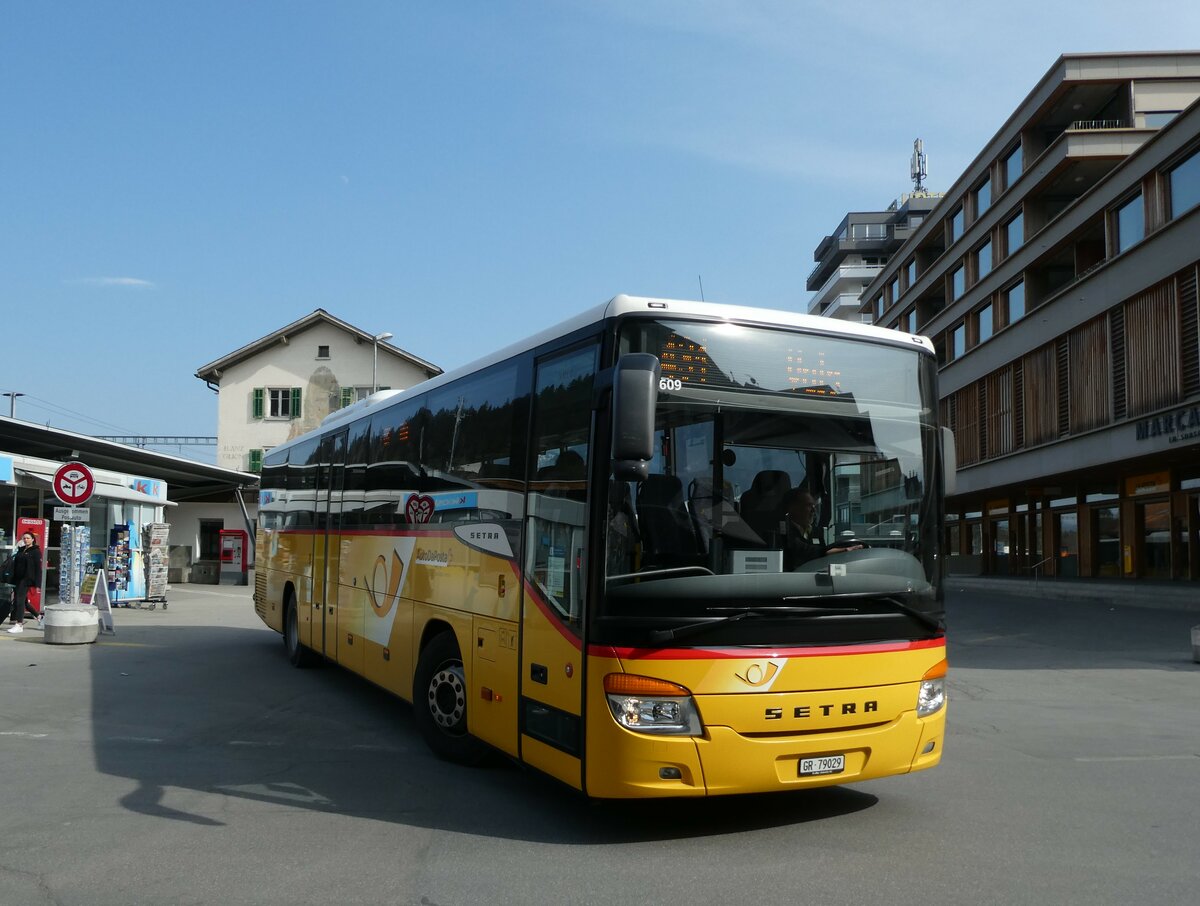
553 618
698 654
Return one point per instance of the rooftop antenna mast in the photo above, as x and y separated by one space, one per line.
919 169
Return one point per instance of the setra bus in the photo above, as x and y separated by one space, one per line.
579 551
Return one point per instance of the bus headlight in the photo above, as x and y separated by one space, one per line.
648 705
932 696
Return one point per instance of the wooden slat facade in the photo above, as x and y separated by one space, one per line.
966 427
1090 374
1152 365
1041 395
999 412
1142 356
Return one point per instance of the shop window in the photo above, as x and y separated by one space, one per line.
954 540
1106 529
1001 547
1155 522
1067 530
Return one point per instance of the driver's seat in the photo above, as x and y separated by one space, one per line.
762 504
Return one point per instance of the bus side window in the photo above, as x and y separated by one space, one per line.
557 500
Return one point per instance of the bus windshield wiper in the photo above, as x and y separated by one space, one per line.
742 613
919 615
900 607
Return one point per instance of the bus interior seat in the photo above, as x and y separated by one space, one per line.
762 504
711 511
622 529
668 538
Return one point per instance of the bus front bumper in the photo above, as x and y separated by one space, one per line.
626 765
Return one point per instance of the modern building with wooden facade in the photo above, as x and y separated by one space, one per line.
1057 279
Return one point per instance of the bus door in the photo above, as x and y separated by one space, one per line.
552 654
329 535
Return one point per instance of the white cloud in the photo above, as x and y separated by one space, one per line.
115 281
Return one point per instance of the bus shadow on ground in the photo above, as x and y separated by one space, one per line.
204 717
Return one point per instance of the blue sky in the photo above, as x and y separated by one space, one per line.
180 179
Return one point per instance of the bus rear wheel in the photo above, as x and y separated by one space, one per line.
440 702
297 654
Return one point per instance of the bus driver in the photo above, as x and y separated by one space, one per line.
800 544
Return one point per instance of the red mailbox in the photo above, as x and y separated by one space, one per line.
235 549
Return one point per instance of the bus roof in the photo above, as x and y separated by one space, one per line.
637 305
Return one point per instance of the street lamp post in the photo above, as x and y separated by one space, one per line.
375 360
12 401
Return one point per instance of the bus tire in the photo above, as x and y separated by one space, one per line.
297 654
440 702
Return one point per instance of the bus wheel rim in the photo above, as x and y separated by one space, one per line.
448 698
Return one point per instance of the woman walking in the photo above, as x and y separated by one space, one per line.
27 574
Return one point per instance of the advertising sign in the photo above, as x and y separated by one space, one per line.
40 529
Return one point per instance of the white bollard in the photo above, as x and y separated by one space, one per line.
70 624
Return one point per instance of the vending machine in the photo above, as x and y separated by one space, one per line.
235 551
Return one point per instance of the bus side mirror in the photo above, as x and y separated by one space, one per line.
949 461
635 394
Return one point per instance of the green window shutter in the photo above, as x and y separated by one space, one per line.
259 394
294 412
256 460
347 396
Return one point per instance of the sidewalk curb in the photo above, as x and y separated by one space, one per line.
1179 597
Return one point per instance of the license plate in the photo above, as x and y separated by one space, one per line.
824 764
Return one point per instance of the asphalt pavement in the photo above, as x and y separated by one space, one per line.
181 760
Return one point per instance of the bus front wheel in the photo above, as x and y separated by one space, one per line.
297 654
440 702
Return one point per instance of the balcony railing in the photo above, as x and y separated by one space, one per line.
1084 125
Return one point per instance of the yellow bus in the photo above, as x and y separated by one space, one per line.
587 551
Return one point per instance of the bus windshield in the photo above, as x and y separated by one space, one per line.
792 497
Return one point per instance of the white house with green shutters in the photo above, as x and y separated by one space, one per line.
285 383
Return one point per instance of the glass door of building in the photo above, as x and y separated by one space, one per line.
1154 524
